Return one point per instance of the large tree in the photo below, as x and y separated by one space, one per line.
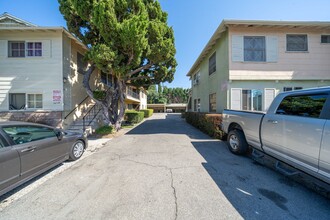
129 39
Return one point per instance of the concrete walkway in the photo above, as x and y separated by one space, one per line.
166 169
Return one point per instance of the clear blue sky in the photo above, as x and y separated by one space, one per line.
194 21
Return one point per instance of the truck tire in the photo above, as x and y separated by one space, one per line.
237 143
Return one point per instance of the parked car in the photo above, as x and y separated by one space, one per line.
295 130
29 149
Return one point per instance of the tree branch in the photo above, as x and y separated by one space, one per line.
139 69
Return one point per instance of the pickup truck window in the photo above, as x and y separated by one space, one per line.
302 105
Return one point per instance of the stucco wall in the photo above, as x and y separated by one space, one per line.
217 81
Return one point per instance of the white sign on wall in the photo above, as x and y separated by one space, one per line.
57 96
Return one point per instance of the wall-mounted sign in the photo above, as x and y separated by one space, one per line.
57 96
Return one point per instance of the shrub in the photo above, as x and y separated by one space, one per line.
100 95
208 123
133 116
147 112
104 130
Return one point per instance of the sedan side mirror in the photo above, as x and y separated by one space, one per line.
59 134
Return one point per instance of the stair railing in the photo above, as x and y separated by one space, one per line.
92 113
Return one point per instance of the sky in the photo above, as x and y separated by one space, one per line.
193 21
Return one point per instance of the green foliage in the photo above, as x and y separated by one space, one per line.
130 39
104 130
132 116
147 112
167 95
208 123
100 95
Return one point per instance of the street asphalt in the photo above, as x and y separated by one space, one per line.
166 169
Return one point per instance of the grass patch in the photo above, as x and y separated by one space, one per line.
104 130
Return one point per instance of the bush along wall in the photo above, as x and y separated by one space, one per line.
208 123
147 112
133 116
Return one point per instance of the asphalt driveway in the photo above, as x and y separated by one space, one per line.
166 169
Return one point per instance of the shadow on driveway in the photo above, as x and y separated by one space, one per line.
255 191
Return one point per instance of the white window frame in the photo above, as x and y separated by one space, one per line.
34 101
296 51
34 49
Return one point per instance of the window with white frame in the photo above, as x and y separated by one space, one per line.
34 100
24 49
251 100
296 42
34 49
286 89
16 49
325 39
254 48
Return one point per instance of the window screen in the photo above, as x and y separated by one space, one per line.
296 42
325 39
212 64
254 49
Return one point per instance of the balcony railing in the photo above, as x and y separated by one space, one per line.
131 93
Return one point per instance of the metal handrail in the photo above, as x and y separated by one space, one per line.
76 107
87 114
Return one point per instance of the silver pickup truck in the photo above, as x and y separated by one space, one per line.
295 130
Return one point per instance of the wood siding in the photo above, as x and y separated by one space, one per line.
311 65
39 75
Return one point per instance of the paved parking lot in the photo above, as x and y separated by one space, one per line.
166 169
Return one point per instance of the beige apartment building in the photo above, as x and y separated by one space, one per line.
246 64
40 76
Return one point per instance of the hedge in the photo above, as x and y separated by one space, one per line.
133 116
147 112
208 123
104 130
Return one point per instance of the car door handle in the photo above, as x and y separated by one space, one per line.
273 121
29 149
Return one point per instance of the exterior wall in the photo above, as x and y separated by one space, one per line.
311 65
40 75
267 84
217 81
143 99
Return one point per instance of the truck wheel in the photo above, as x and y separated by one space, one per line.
237 143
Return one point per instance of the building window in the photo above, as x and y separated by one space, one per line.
34 49
296 42
106 78
325 39
251 100
286 89
34 101
254 49
213 102
197 105
301 105
16 101
196 78
81 63
212 64
16 49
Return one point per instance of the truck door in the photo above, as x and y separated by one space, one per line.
324 164
294 131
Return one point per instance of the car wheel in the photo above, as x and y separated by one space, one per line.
77 150
237 143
